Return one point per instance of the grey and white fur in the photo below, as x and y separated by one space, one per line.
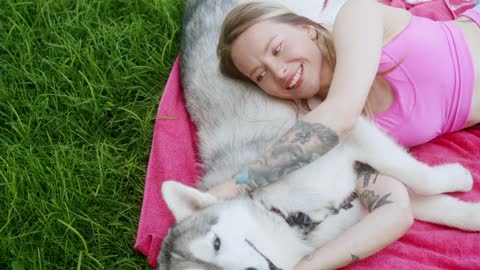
236 122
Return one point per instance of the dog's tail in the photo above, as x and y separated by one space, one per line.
448 211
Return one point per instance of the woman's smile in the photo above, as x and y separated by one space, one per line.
296 79
283 60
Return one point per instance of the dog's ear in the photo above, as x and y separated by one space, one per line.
183 200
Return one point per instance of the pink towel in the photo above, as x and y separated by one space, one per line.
172 157
440 10
425 246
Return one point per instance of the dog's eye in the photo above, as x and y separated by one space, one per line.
216 243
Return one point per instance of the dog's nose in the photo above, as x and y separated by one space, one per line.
251 268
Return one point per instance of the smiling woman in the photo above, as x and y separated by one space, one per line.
280 66
287 50
376 62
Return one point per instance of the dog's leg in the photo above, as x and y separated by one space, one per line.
379 151
447 210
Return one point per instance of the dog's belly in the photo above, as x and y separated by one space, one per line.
318 190
323 184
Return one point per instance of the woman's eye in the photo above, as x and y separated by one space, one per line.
277 49
261 76
216 243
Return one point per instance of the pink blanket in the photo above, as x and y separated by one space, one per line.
172 157
425 246
440 10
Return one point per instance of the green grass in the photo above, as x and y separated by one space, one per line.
80 83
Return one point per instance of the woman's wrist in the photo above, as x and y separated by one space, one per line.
242 177
228 189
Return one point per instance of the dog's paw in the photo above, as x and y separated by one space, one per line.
445 178
476 217
472 219
455 177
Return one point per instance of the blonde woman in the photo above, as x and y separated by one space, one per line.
416 78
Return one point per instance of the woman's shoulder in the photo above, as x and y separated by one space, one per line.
395 21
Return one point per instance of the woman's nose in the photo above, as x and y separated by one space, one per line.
280 71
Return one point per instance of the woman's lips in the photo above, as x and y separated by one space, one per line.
299 81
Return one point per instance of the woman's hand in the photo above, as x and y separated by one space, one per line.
227 190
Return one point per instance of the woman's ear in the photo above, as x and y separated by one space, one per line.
311 31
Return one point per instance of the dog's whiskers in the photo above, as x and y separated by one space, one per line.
271 265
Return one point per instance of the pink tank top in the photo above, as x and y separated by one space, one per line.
433 85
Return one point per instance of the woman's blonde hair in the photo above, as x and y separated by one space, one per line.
247 14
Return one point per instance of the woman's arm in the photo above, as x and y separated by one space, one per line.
302 144
358 37
390 216
358 34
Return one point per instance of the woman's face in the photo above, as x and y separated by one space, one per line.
282 59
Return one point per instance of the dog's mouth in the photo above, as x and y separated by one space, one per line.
271 265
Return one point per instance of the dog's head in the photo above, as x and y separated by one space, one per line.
236 234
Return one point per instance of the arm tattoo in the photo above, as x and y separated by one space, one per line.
301 145
368 198
373 201
365 171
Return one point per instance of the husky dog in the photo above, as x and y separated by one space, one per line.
245 233
236 122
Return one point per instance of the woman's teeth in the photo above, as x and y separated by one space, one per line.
296 78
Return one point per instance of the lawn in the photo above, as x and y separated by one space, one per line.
80 84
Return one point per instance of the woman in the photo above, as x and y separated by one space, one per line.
416 78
